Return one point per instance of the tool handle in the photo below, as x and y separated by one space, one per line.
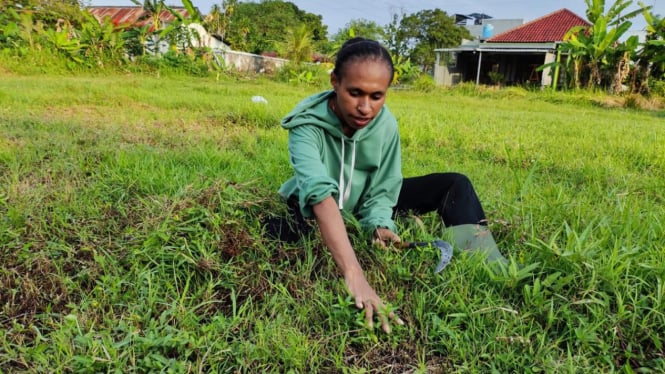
414 244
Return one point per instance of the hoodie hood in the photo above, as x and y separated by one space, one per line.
308 112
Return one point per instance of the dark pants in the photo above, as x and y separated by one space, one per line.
451 195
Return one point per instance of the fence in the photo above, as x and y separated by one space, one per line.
250 63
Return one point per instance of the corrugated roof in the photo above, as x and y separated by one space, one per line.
132 16
549 28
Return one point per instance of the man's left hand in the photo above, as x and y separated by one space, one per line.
383 237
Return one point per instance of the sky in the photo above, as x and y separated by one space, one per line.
337 13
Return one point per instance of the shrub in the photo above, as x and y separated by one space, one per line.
173 61
496 77
658 88
405 71
310 74
632 101
424 83
467 89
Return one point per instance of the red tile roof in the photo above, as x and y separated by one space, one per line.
548 28
132 16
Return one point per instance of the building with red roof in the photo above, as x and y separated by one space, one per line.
511 57
550 28
134 16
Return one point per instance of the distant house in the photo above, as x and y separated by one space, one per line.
135 16
512 56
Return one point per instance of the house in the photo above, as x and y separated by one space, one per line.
136 16
511 57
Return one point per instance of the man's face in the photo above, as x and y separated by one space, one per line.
361 92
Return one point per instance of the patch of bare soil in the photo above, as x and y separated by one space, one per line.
31 288
400 359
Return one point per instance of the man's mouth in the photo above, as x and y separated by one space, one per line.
360 122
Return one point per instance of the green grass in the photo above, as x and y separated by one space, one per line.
130 235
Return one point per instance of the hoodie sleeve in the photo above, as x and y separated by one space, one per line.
311 178
378 202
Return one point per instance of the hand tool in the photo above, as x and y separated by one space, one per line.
444 248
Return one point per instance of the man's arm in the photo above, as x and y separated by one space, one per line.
337 240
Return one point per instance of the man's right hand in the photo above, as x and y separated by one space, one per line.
337 240
366 298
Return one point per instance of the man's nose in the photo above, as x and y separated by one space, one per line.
363 106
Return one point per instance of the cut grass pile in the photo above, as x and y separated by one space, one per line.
131 242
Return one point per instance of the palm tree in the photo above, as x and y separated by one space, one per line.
219 18
213 21
298 45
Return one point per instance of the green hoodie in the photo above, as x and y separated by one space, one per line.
371 162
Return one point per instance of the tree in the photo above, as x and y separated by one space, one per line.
218 20
355 28
297 46
362 28
417 35
50 12
255 32
395 36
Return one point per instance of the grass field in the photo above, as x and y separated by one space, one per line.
130 236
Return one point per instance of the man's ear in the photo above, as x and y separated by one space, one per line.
334 81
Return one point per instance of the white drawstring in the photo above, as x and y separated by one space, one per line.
345 191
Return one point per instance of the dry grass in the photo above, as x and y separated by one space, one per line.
631 101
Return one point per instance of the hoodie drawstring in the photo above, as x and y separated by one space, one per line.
345 191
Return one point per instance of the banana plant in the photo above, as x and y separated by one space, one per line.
615 14
603 42
179 32
621 62
103 40
596 46
9 28
153 9
650 59
194 15
138 40
574 46
64 43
